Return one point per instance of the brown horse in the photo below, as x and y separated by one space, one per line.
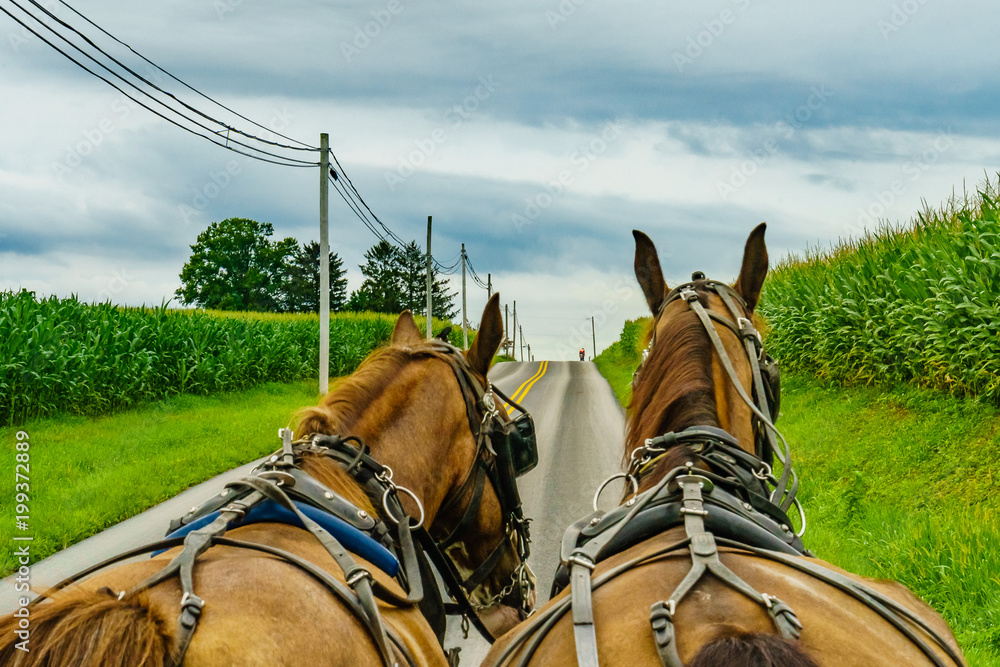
701 502
273 593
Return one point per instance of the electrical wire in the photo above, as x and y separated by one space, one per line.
281 160
191 88
341 181
339 189
150 83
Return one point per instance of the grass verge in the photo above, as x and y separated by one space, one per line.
900 484
87 474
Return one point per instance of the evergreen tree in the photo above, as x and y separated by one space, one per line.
396 279
301 288
381 290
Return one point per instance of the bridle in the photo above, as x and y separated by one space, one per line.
280 486
502 446
765 376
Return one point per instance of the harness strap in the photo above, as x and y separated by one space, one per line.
582 562
335 586
751 343
357 577
478 482
705 558
584 633
691 297
453 582
475 580
890 610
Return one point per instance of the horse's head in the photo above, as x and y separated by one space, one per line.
427 411
684 380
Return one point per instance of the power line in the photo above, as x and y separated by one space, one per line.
189 87
475 276
217 131
150 83
278 159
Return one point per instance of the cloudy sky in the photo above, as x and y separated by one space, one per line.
538 133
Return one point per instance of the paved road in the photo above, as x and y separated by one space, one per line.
580 429
579 425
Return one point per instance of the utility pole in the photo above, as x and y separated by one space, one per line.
522 343
513 340
465 322
430 282
530 358
489 286
506 328
324 263
593 335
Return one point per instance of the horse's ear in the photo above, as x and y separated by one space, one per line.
648 271
443 334
406 331
487 342
754 267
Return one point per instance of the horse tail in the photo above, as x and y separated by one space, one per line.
87 629
752 650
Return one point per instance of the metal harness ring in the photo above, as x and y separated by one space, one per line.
623 475
385 504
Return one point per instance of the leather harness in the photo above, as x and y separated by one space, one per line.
727 504
282 485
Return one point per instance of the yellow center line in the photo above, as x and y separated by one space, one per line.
526 386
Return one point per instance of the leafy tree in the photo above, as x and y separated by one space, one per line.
235 266
301 285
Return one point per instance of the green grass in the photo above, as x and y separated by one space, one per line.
618 362
90 473
899 484
903 485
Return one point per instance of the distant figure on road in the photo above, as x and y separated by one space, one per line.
582 353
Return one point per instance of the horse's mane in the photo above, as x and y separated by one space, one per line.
345 403
675 389
341 408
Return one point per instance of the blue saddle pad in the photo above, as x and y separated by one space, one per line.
269 511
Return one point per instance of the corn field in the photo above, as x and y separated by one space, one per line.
916 304
64 356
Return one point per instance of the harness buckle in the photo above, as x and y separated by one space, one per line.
688 294
357 576
581 560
